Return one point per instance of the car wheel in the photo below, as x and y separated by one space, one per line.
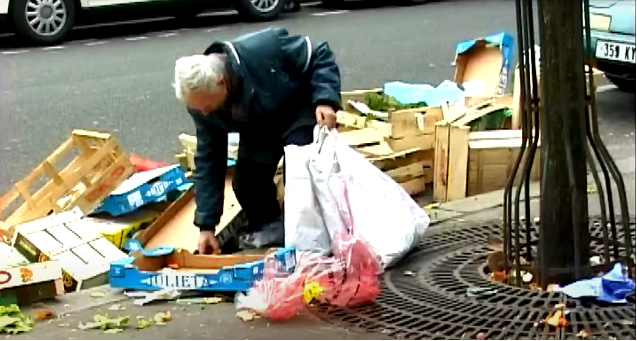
625 85
260 9
43 21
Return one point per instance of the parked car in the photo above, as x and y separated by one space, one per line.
613 40
49 21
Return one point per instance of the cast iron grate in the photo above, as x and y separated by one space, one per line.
433 303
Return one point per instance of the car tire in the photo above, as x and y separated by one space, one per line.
250 9
54 28
622 84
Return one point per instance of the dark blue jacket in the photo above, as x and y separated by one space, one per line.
279 74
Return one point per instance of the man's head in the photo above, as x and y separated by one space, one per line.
200 82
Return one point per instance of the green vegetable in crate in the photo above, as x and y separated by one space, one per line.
384 103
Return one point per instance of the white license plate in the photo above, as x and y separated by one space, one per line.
615 51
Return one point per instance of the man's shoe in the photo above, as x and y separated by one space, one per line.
268 235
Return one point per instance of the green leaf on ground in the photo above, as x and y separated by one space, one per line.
13 321
104 322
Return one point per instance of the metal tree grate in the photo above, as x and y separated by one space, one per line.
426 298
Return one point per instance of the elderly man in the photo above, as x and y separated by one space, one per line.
272 88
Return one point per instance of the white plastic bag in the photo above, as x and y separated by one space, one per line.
381 212
323 165
304 226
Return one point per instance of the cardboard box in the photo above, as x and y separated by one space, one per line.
143 188
118 230
167 267
22 282
483 64
83 253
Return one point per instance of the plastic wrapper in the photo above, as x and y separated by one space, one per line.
347 279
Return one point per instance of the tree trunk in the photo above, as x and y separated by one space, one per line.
564 205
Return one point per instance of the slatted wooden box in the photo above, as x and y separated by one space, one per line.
81 172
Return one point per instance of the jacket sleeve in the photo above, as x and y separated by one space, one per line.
209 176
318 62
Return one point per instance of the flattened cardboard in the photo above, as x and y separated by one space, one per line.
175 227
485 61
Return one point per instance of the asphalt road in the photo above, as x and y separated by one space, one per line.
118 78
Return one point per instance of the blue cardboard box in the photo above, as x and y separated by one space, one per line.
143 188
483 65
167 267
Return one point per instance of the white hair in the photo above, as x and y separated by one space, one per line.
198 72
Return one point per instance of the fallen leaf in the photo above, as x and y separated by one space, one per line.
116 307
105 322
582 334
498 276
44 314
432 206
591 189
143 323
162 317
246 315
98 294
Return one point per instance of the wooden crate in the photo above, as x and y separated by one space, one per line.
93 165
451 145
402 130
492 156
477 162
411 169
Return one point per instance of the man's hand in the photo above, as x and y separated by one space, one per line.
325 116
208 243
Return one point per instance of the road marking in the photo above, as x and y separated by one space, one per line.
166 35
14 52
136 38
51 48
606 87
323 14
215 29
98 42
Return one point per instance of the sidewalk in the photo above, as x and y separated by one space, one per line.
219 321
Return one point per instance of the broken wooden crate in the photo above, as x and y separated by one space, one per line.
470 163
402 129
80 173
68 238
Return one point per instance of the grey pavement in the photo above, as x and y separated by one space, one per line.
121 80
